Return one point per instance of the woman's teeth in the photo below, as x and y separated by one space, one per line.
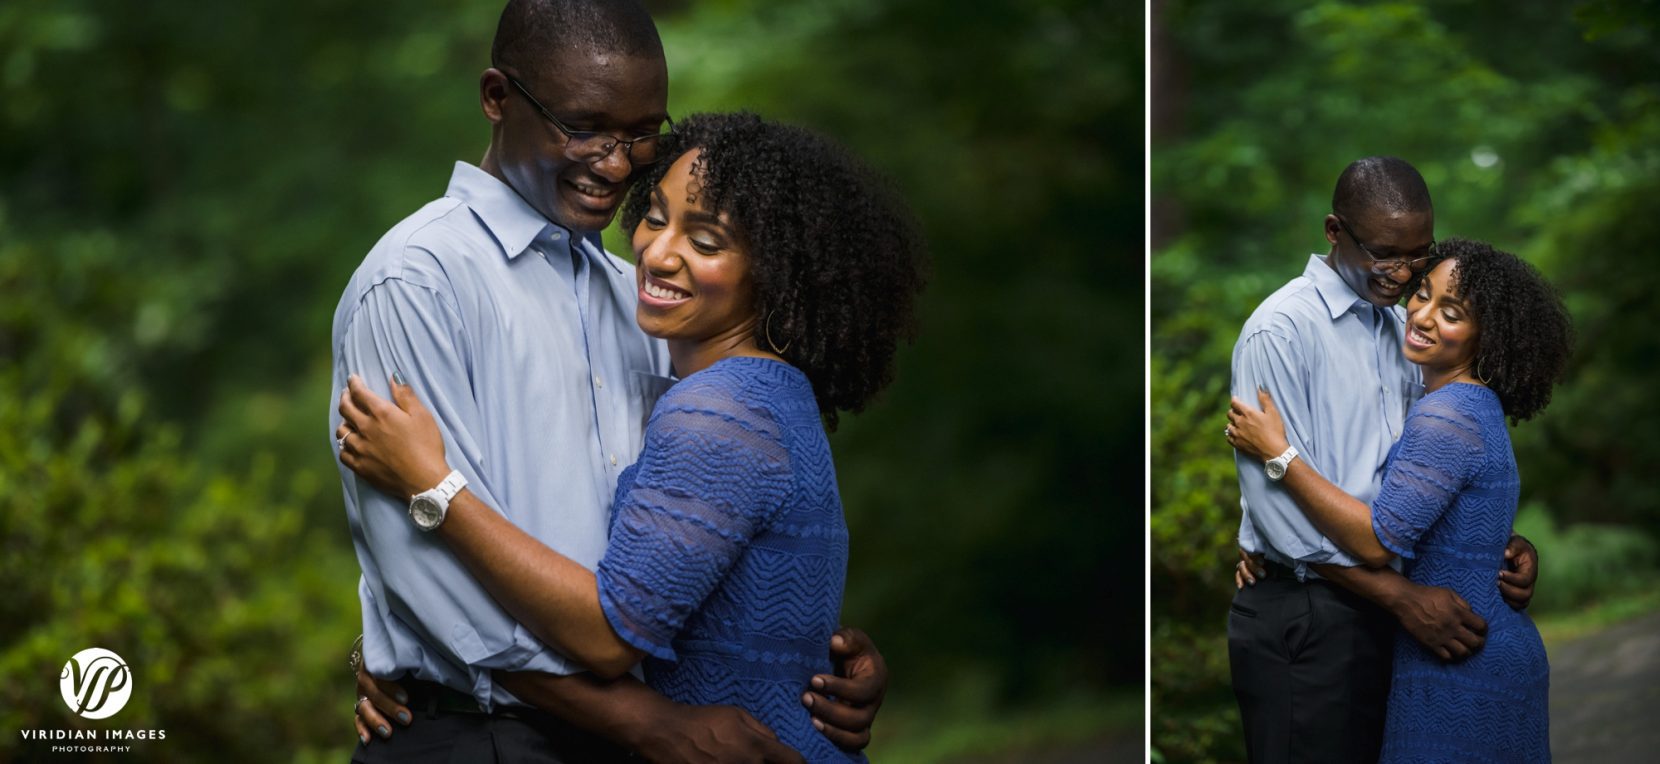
664 294
1421 338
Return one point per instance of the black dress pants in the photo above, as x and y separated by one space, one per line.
1311 664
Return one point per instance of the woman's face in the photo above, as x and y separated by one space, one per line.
691 270
1441 333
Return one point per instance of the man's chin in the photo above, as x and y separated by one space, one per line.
583 219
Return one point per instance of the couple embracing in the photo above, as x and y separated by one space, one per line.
1380 612
594 501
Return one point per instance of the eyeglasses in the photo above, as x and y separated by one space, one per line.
1387 265
588 146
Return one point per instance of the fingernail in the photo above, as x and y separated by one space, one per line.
807 699
403 716
384 732
364 736
818 683
818 725
403 697
837 641
397 376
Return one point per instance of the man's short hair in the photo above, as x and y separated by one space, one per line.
1379 184
530 31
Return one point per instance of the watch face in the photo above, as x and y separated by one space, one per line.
1276 469
426 512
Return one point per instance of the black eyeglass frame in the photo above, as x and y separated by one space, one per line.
575 137
1386 266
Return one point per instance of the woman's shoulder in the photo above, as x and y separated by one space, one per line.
758 392
1457 406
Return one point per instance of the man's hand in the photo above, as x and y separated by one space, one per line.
1248 570
1441 621
1521 571
710 735
844 706
378 700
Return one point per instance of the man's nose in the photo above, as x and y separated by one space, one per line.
614 166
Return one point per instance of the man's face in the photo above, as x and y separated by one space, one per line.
1390 235
623 96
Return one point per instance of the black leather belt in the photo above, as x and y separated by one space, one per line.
1276 570
432 697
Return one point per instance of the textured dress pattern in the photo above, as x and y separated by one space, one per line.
1447 505
728 549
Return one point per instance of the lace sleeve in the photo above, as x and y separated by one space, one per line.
1439 453
713 473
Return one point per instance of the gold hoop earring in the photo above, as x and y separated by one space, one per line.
1484 379
766 327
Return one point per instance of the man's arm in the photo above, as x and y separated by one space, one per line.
414 330
623 711
1267 360
1438 618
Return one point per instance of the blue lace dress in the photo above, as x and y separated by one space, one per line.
728 550
1447 503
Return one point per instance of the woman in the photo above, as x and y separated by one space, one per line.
1492 339
782 276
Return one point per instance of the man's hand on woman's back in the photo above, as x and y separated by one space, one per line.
844 705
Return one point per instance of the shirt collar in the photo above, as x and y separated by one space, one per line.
1339 298
512 221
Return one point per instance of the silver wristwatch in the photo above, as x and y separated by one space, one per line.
1277 466
428 508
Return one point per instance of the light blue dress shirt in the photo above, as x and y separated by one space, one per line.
522 342
1333 363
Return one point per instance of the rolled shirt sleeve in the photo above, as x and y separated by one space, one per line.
411 576
1271 518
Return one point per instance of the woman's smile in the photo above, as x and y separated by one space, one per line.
1417 339
657 293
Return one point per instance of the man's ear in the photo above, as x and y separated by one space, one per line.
1331 230
492 93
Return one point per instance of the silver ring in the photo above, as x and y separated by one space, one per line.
359 703
1227 432
341 441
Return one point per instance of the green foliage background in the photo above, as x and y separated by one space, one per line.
185 188
1537 127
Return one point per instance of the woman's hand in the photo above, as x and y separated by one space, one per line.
1258 433
397 448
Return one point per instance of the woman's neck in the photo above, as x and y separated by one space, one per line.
1435 379
692 356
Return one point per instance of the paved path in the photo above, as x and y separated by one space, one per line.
1605 696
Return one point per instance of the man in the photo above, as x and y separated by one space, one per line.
499 305
1310 643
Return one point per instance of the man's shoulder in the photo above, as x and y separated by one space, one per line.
1288 311
416 252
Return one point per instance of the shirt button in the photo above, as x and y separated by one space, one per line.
598 382
613 460
558 235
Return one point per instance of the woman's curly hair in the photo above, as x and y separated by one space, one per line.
835 257
1526 336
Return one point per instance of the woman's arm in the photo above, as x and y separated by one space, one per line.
398 448
552 595
1341 517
